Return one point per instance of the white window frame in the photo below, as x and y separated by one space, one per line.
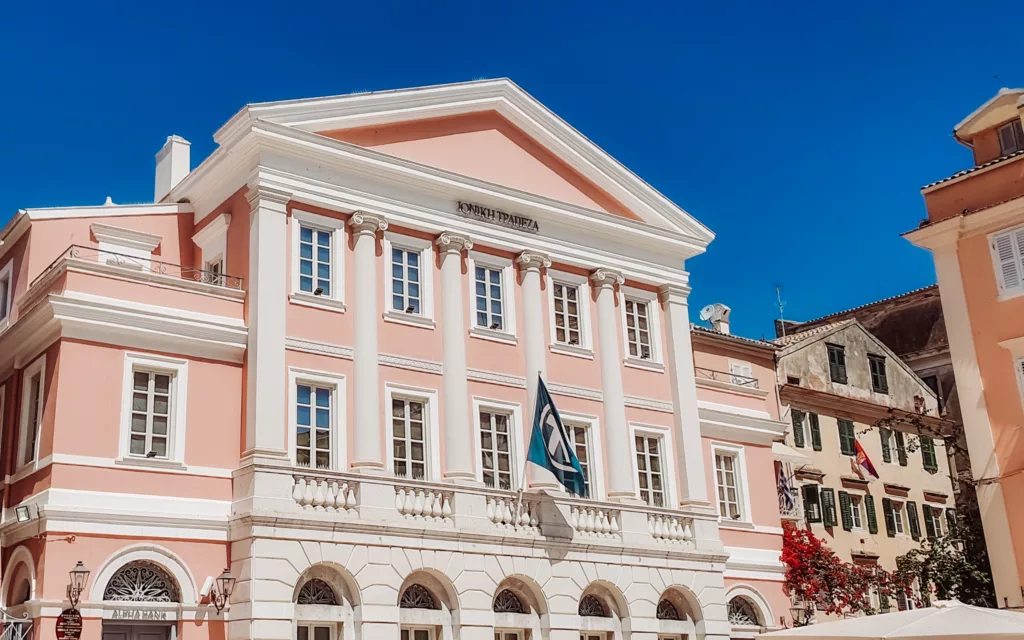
425 249
899 517
335 382
309 624
1017 246
411 628
586 347
594 450
668 453
431 432
37 366
212 241
508 291
1014 131
336 227
890 439
857 513
516 436
177 368
3 416
743 486
656 362
7 275
743 365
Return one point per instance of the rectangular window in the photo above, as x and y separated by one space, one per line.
799 436
313 426
215 271
638 329
405 281
856 513
836 363
6 292
829 517
649 473
928 458
812 502
728 484
879 382
495 449
32 410
409 446
888 443
311 631
932 382
580 439
568 327
490 312
1008 258
1011 137
898 517
150 414
743 374
315 261
815 430
847 438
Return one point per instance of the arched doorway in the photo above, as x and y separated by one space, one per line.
603 614
326 605
140 591
427 607
518 606
679 616
746 616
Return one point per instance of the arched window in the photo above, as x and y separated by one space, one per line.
508 602
593 607
667 611
141 581
316 591
417 596
742 612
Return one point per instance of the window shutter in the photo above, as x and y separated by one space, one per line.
928 454
890 522
847 438
1005 250
1007 143
901 448
845 511
812 419
951 521
886 451
811 499
929 520
828 507
869 506
915 524
798 427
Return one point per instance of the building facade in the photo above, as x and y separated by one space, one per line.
844 389
313 361
973 230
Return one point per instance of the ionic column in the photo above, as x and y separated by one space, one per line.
616 429
365 382
266 414
535 348
686 423
457 435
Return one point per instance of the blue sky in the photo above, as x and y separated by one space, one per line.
799 132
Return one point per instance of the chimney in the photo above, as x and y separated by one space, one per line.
718 315
172 165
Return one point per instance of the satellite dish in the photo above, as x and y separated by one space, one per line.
707 312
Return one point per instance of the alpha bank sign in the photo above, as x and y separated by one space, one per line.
497 216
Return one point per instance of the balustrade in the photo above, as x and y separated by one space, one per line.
665 528
513 513
424 503
324 493
594 521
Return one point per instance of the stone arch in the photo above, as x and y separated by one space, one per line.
755 604
616 622
684 601
20 572
679 613
335 598
445 616
154 554
610 595
528 591
533 616
341 582
438 584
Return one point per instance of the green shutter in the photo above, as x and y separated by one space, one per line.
890 522
828 508
901 448
951 521
915 524
811 500
883 602
869 506
929 520
847 438
798 427
886 451
815 431
845 511
928 454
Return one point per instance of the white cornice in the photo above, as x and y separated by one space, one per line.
109 211
946 232
125 237
214 229
739 425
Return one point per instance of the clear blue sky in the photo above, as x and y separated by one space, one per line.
799 132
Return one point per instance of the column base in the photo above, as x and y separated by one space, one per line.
277 457
698 505
370 468
462 479
624 498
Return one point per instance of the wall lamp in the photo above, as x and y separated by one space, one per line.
79 576
223 587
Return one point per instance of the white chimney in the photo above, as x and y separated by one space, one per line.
172 165
718 315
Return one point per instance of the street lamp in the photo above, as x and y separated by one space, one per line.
801 613
223 587
79 576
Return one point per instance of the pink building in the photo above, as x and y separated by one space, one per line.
312 361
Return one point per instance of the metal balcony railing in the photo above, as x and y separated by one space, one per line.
724 376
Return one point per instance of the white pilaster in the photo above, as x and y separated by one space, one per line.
535 346
689 453
616 429
266 415
457 435
368 455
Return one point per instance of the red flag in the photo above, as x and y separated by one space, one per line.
864 461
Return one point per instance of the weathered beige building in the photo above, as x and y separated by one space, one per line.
844 391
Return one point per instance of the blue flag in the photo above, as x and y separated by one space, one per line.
551 447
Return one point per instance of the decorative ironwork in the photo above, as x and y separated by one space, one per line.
508 602
141 581
15 628
667 611
316 591
593 607
723 376
416 596
741 613
141 264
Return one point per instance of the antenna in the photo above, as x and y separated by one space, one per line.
782 320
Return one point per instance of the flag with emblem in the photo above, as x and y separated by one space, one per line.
551 447
864 461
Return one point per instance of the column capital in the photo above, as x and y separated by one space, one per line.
677 293
363 222
260 196
606 277
533 260
451 242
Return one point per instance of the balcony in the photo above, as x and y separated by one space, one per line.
724 377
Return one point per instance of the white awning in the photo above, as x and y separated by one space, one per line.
785 453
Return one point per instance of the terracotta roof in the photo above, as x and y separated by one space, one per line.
870 304
728 336
794 338
960 174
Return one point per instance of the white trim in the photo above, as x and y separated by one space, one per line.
756 598
334 226
339 433
7 274
425 317
432 432
37 367
585 349
75 460
742 479
212 241
595 444
657 360
108 210
151 552
1003 291
3 426
517 455
21 555
122 240
508 297
666 456
178 370
738 424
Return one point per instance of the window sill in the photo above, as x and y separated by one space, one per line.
736 524
317 302
493 335
149 462
1009 295
28 469
572 350
410 319
647 365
